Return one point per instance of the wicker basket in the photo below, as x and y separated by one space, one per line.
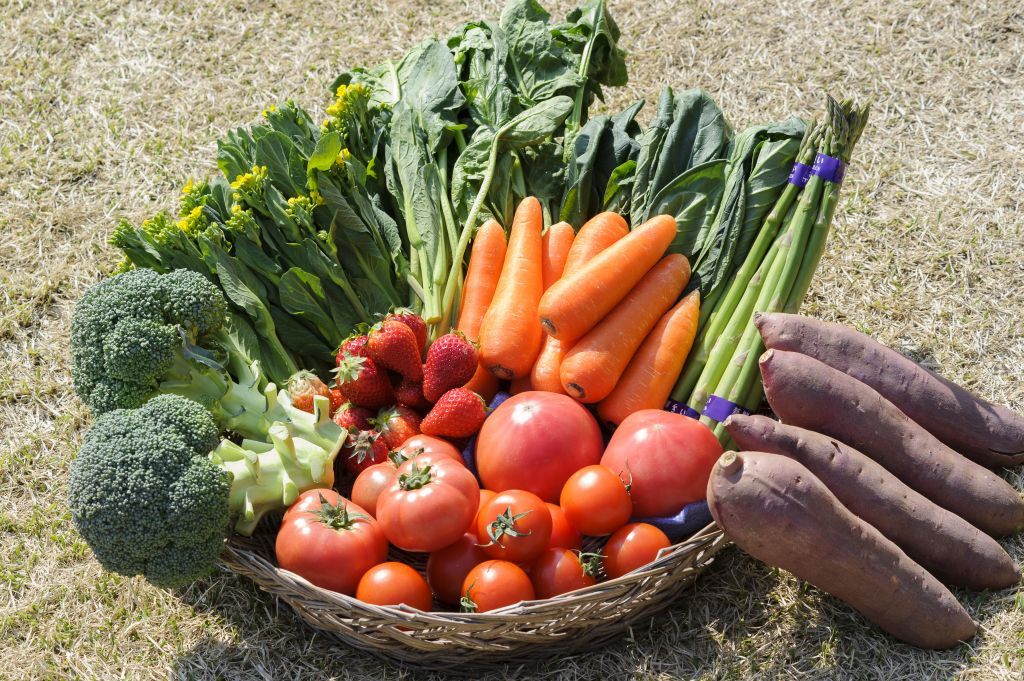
530 631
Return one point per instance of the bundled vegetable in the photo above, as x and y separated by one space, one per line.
721 377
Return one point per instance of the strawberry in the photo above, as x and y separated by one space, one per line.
350 416
451 362
303 387
410 394
458 413
393 345
364 383
397 424
337 399
353 345
363 449
414 322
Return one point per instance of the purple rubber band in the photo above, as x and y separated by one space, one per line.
829 168
680 408
719 408
799 175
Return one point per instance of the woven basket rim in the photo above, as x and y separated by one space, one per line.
706 535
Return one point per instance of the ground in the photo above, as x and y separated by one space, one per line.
106 107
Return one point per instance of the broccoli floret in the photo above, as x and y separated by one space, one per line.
140 333
153 490
145 494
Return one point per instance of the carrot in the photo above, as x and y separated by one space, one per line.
485 263
652 372
484 384
555 249
591 369
510 335
520 385
597 234
575 304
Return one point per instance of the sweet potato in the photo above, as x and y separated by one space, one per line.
807 393
941 542
987 433
779 512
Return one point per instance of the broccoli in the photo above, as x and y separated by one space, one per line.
140 333
153 490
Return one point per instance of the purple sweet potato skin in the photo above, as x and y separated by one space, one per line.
941 542
987 433
806 393
780 513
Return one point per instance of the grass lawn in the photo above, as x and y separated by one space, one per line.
106 107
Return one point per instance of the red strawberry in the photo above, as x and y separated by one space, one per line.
458 413
363 449
397 424
414 322
350 416
337 399
451 362
303 387
353 345
393 345
410 394
364 383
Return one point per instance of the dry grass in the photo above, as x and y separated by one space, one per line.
107 106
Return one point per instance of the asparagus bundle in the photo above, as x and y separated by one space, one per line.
721 376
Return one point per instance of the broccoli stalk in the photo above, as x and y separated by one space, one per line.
153 492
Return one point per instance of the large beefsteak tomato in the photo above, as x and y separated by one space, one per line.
534 441
666 458
329 540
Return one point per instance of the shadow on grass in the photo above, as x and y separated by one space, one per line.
743 620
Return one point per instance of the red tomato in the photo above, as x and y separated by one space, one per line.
447 568
370 483
596 501
494 584
514 525
426 444
632 546
563 535
667 459
534 441
559 571
485 496
394 584
429 503
329 540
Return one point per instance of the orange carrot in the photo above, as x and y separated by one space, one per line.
575 304
510 336
591 369
555 249
597 234
484 384
648 380
520 385
485 263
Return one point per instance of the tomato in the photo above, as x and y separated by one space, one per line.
667 459
448 567
534 441
632 546
329 541
485 496
429 503
370 483
563 535
514 525
394 584
596 501
559 571
425 444
494 584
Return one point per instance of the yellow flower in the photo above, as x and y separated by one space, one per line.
343 156
315 197
269 110
194 222
236 208
187 189
251 180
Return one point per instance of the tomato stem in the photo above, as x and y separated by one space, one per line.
505 525
415 478
337 517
